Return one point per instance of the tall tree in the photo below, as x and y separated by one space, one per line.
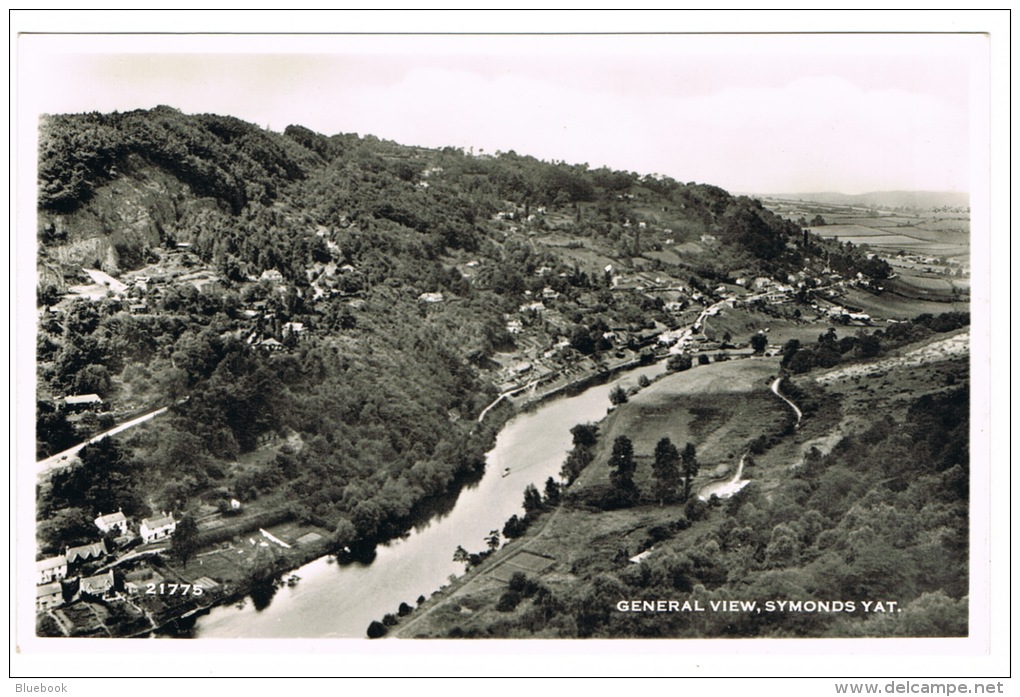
184 543
689 467
666 469
552 492
759 342
532 498
622 463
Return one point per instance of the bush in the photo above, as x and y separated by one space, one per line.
679 362
618 395
695 509
518 581
376 630
509 601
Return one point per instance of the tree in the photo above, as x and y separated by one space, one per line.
666 470
514 527
552 492
585 435
102 482
789 349
622 463
618 395
582 341
184 542
532 499
759 342
689 467
462 555
492 540
679 362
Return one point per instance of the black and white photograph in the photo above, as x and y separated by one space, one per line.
521 338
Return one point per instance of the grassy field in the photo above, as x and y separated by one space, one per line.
893 306
719 407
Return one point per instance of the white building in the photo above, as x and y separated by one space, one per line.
157 528
113 522
52 569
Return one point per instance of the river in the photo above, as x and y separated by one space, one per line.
333 600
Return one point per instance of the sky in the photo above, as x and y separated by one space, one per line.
750 113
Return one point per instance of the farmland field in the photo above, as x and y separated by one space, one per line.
845 231
876 222
666 256
881 239
893 305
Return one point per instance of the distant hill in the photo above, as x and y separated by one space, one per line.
922 200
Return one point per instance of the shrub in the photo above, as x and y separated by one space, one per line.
509 601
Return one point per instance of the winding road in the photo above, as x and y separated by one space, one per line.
66 458
727 488
796 410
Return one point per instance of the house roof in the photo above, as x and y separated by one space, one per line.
111 519
94 585
641 557
85 552
83 399
161 522
50 563
48 589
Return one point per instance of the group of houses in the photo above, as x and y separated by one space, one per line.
64 577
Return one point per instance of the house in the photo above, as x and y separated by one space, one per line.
430 298
271 344
113 522
48 595
640 557
100 586
84 553
157 528
271 275
83 401
52 569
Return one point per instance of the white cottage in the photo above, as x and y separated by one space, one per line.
159 528
113 522
52 569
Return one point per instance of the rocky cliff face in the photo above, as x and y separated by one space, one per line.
126 217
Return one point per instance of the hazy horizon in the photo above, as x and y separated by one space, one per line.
798 113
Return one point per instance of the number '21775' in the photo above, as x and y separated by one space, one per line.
172 589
